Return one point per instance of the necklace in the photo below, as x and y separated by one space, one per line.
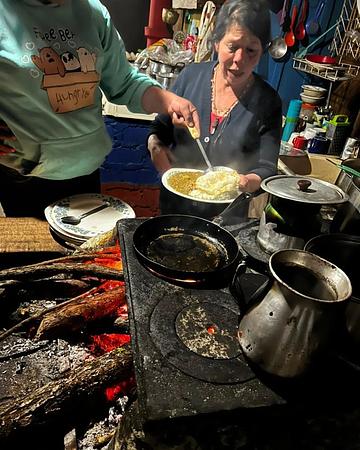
220 115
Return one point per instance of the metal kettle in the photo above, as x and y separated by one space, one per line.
295 319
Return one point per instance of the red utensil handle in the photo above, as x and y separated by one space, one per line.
293 16
304 10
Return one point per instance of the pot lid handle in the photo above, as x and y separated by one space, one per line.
303 185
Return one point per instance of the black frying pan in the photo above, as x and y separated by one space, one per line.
187 249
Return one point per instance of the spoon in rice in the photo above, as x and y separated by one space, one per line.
196 136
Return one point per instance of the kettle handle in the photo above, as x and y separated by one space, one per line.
248 288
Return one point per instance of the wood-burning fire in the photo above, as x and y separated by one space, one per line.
96 316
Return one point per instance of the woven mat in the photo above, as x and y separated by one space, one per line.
19 234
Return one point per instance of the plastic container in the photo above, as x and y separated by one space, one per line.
337 131
319 145
307 112
291 120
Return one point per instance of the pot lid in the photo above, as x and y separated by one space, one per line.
304 189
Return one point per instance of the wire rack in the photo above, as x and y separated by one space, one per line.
331 73
345 46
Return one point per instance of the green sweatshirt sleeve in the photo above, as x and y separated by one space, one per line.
121 83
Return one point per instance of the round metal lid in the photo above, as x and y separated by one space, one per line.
318 192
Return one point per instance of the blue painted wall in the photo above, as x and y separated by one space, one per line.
129 160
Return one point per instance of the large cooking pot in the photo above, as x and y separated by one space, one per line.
187 250
174 202
343 250
297 200
283 331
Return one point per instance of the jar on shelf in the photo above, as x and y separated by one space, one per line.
307 112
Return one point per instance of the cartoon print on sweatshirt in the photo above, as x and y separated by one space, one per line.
70 62
49 62
87 59
70 82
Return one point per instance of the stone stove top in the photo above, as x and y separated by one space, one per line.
173 380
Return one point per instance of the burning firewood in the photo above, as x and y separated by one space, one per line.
38 316
46 288
100 272
52 400
107 266
77 315
85 256
104 263
46 270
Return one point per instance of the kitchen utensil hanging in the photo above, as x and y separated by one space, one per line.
312 26
300 31
290 36
285 18
303 52
277 46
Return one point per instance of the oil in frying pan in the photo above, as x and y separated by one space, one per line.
186 252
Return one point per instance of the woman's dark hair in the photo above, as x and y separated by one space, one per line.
251 14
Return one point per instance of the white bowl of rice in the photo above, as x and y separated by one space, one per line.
219 186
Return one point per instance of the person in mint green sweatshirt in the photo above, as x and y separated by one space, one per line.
57 57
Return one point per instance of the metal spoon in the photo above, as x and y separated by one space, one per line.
208 163
75 220
195 135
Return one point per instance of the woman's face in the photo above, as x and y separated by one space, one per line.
239 52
